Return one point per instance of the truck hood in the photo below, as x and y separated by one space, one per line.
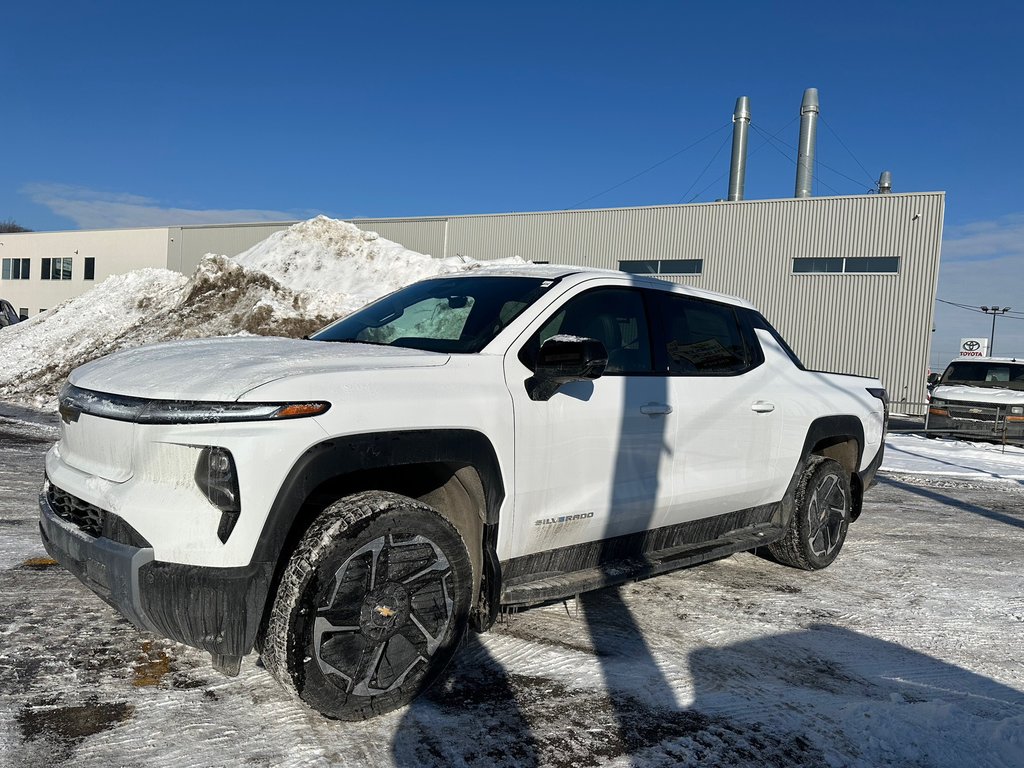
224 369
993 395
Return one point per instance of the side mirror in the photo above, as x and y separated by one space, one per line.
563 359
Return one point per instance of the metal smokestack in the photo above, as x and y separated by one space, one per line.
885 183
808 132
740 130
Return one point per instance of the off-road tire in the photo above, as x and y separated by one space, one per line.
821 517
371 607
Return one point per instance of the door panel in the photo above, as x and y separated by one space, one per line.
593 461
727 416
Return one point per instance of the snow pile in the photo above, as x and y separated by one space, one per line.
296 281
917 455
334 261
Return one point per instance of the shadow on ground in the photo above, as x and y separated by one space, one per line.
824 695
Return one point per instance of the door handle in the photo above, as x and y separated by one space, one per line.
656 409
762 406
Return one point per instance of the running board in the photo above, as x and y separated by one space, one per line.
546 587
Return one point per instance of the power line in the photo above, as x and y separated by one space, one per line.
978 310
961 306
651 168
833 132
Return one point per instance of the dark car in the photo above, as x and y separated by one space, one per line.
8 315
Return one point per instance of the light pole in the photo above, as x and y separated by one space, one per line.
992 338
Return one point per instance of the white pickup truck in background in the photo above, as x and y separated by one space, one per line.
980 398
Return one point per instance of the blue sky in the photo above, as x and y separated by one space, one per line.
130 114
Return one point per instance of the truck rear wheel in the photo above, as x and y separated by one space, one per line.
371 607
821 517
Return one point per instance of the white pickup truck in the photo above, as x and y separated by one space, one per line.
979 398
350 503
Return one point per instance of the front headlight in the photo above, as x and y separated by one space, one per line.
75 401
1017 410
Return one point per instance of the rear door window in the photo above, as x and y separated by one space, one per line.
698 337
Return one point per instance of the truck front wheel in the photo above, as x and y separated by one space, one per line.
371 607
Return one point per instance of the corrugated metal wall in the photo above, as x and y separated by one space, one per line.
428 234
187 245
856 323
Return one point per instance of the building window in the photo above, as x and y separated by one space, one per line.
57 269
16 269
884 265
662 266
90 268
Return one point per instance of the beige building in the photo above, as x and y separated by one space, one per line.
850 281
42 269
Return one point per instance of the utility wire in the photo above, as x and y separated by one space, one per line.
705 170
651 168
840 173
754 151
833 132
788 157
819 163
978 310
709 186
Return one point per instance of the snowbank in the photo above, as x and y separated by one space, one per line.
333 261
296 281
917 455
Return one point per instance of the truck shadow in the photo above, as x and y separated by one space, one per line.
823 695
945 500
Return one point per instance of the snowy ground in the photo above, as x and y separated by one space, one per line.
906 652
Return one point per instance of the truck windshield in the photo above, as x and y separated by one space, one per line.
979 373
447 314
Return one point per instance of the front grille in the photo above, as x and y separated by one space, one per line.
974 411
92 520
87 517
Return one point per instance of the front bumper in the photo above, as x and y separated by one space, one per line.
216 609
990 425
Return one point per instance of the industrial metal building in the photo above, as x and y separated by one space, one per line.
850 281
